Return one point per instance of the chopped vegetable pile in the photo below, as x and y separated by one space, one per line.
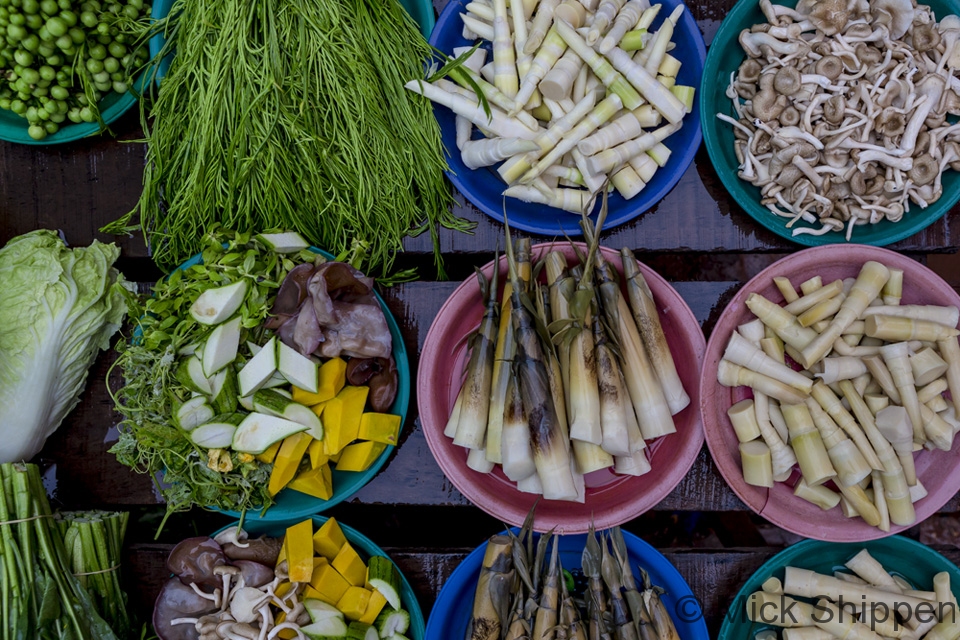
581 96
312 584
868 395
310 130
229 414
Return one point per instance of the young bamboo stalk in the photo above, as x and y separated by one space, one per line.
894 423
631 594
733 375
550 453
504 59
548 611
743 417
806 583
649 403
807 444
741 351
553 365
950 351
558 82
492 598
610 570
498 122
892 328
516 454
621 154
948 316
601 67
867 567
784 323
869 282
815 297
756 463
819 495
896 357
669 106
658 48
628 17
781 455
662 622
541 24
647 317
472 426
621 433
590 562
850 464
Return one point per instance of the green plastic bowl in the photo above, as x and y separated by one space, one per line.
293 505
367 548
13 128
420 10
901 556
723 58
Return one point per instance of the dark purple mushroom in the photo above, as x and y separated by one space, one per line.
194 559
254 574
263 550
177 600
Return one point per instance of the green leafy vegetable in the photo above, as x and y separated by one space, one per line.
293 115
58 309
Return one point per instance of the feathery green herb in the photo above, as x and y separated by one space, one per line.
284 114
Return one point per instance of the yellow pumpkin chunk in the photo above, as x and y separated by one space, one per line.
359 456
287 461
299 544
328 539
379 427
342 418
350 566
317 457
270 452
332 378
374 607
314 482
329 584
354 603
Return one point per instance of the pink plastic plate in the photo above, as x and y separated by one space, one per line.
611 499
937 470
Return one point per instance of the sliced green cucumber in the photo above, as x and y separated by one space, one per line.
357 630
246 402
298 369
213 306
276 380
213 435
287 242
259 430
253 347
225 398
318 610
190 374
383 576
221 346
193 413
272 402
259 369
326 629
392 623
188 350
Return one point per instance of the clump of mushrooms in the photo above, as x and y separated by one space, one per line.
221 596
839 110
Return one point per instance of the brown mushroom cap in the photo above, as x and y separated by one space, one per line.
924 170
925 37
749 70
897 15
833 109
789 117
867 54
787 81
829 66
829 16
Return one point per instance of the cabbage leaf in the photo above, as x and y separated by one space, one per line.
58 308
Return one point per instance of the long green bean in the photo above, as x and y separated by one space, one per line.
291 114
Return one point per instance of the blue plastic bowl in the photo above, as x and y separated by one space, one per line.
483 186
454 606
293 505
420 10
907 558
367 548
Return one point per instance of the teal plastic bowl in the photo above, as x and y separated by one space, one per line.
420 10
907 558
723 58
366 548
13 128
293 505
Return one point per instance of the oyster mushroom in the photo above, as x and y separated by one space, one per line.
896 15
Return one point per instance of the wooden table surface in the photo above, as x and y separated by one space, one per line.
697 238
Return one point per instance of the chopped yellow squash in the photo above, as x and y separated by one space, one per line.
319 561
333 377
359 456
318 408
299 544
283 588
287 461
317 457
350 566
342 418
374 607
379 427
310 593
354 603
283 553
286 634
314 482
270 452
329 584
328 539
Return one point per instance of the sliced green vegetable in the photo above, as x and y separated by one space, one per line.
193 413
325 629
390 623
298 369
190 374
258 431
259 369
221 346
272 402
319 610
213 435
382 574
289 242
217 305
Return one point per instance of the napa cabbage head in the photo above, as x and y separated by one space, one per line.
58 308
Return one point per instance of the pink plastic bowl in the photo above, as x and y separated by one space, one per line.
611 500
937 470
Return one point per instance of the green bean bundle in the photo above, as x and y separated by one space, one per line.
282 114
